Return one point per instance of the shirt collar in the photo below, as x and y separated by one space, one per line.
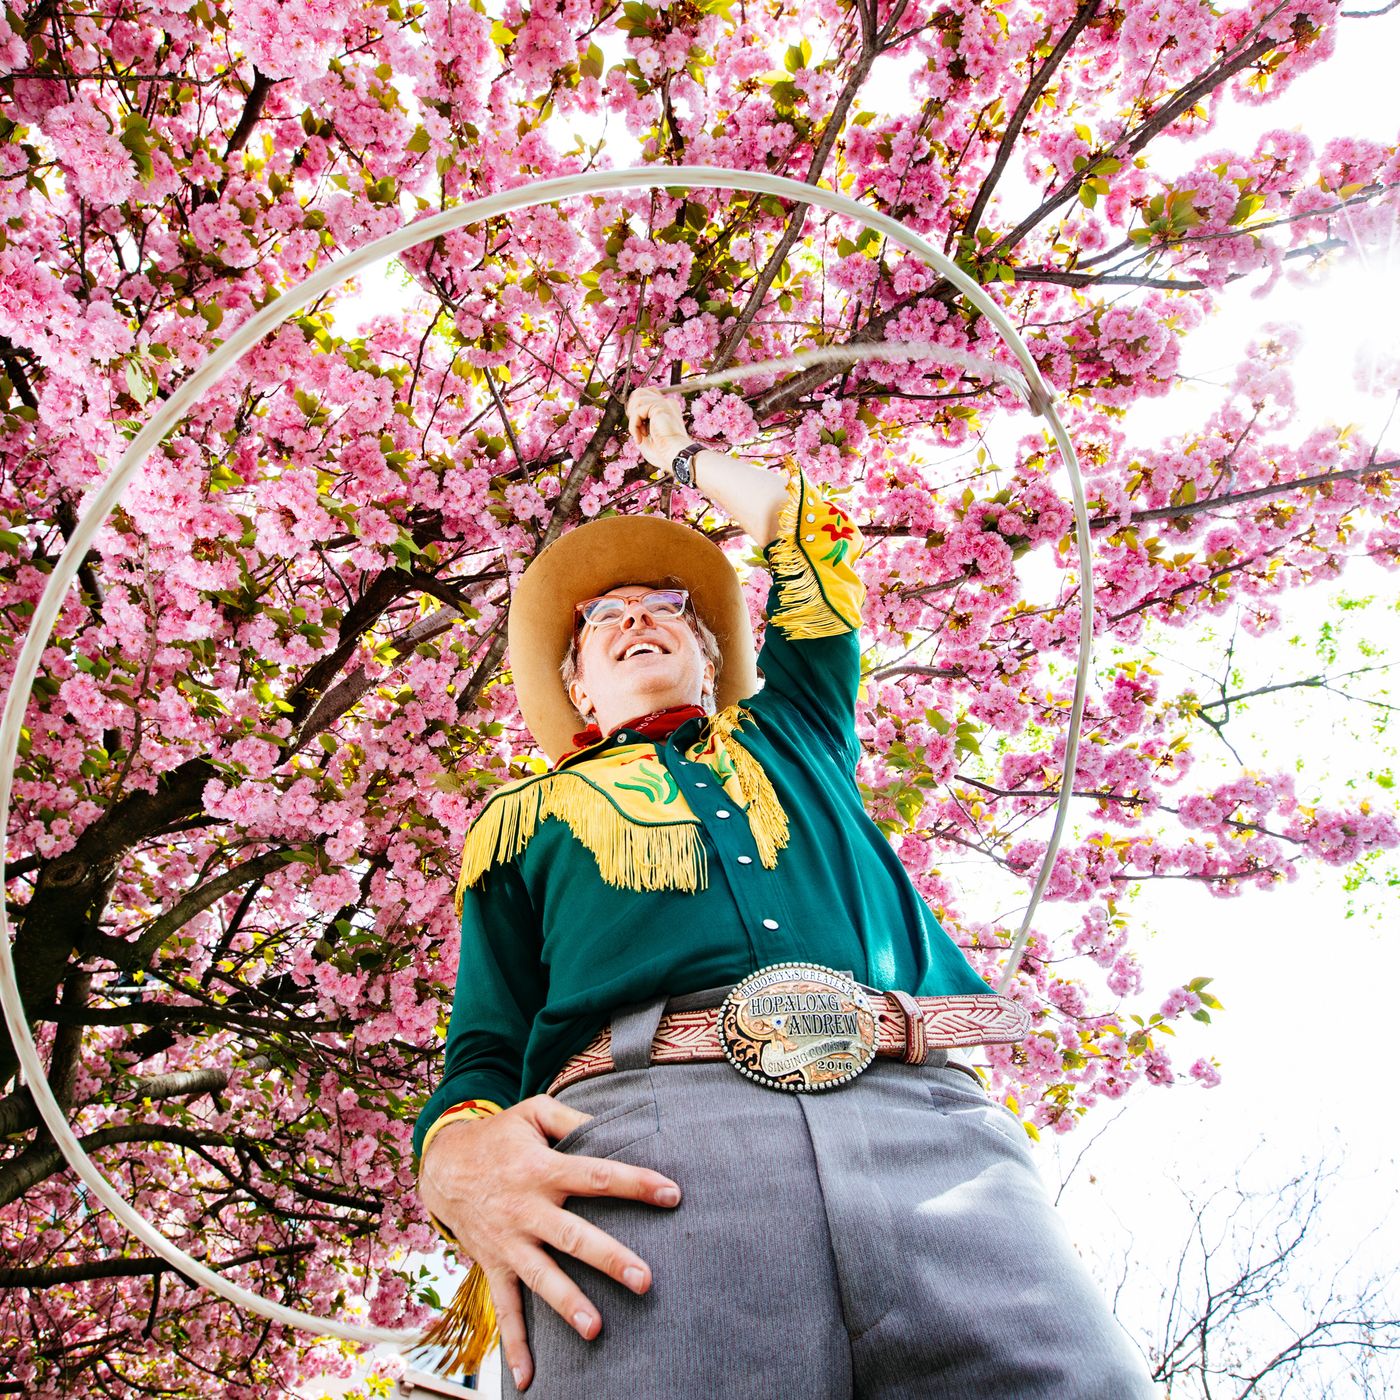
657 724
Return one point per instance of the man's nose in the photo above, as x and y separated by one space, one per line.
628 616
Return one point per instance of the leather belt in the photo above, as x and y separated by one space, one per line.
906 1028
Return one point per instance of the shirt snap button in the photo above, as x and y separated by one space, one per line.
809 538
745 860
698 784
811 518
723 812
770 923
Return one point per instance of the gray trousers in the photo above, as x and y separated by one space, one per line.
888 1239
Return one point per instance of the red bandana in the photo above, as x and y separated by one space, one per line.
659 724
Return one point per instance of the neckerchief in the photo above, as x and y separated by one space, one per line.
659 724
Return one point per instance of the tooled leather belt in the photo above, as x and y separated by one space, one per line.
801 1027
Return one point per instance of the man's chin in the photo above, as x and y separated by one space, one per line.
643 699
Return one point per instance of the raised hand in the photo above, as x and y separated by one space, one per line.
657 425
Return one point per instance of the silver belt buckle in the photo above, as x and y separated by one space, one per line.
798 1027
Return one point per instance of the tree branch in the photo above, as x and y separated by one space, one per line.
136 957
1277 488
252 111
870 50
1133 143
1034 88
350 688
19 1116
53 1275
38 1164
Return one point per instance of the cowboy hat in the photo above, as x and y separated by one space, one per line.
590 560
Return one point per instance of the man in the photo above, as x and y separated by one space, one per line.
689 932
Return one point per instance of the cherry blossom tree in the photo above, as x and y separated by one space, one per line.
268 713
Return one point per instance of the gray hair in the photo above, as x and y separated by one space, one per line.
709 643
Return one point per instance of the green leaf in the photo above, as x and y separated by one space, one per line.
419 142
797 56
136 137
592 62
967 737
138 386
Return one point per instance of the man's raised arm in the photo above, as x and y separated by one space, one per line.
750 495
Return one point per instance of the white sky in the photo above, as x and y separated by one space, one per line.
1305 1035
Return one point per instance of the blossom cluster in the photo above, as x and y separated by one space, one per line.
281 688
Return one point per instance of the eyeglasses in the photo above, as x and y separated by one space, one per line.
609 611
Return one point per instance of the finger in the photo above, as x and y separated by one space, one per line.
553 1118
510 1317
600 1176
544 1278
573 1235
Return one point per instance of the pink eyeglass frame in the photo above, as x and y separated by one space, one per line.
580 621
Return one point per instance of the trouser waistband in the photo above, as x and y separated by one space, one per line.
675 1030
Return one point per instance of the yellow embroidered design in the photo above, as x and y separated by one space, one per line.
627 810
819 592
641 838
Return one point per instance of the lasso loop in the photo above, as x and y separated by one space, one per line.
173 410
918 350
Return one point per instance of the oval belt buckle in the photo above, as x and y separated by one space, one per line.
799 1027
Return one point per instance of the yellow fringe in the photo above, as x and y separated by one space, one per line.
805 611
467 1330
499 834
630 855
767 821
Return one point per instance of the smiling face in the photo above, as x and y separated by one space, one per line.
647 662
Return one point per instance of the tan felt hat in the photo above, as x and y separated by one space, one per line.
590 560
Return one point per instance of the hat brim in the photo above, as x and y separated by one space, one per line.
593 558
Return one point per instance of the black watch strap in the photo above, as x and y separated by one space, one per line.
683 464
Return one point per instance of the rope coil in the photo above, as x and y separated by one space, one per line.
105 499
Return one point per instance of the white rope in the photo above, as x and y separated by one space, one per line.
174 409
919 350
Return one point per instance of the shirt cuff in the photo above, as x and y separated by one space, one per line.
468 1108
812 561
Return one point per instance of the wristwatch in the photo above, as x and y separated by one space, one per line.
682 467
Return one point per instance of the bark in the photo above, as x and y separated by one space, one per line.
70 892
38 1164
252 111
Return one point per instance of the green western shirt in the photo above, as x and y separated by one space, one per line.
549 949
